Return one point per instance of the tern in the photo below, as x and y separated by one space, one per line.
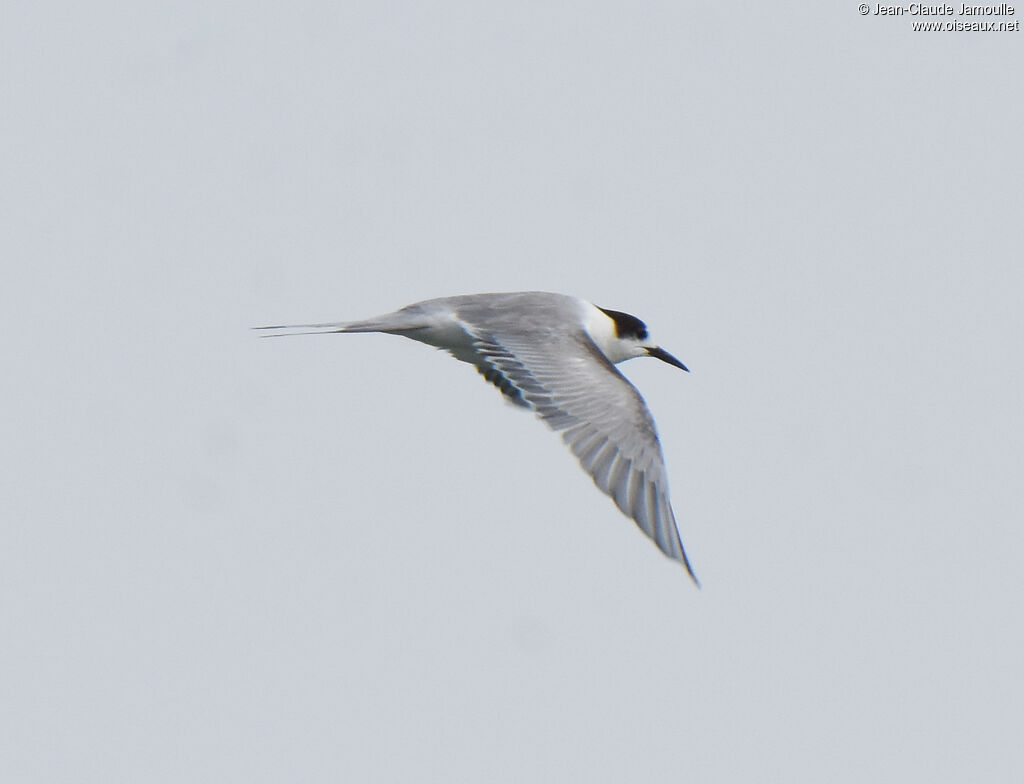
556 355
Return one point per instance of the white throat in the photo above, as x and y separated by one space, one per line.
601 328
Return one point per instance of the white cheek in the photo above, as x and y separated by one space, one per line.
601 329
622 351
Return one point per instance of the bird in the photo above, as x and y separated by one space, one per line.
555 354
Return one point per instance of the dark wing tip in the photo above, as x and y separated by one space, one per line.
689 569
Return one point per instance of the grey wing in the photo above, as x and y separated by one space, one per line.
575 389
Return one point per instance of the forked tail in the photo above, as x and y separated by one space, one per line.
398 322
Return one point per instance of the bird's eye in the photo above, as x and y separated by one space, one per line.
627 326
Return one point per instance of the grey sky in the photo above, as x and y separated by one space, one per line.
343 558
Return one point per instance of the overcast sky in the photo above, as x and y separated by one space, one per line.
343 558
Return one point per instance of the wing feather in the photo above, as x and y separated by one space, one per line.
573 387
